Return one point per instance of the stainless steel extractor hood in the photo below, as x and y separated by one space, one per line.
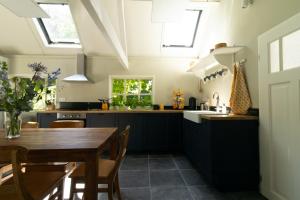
79 75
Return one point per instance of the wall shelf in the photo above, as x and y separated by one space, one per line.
222 56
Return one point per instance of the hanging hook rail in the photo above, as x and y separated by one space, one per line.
215 75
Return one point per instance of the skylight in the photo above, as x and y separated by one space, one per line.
183 33
59 29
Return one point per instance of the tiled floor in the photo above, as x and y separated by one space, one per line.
168 177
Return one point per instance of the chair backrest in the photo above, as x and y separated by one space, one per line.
30 125
67 124
14 155
123 142
5 172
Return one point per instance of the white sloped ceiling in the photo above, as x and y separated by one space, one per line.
16 36
19 35
143 38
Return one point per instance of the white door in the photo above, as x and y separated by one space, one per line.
279 104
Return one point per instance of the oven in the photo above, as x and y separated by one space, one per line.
72 116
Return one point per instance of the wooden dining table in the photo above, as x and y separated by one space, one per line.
67 145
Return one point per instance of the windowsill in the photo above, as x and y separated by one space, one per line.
69 46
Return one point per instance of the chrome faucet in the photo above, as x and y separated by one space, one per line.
217 96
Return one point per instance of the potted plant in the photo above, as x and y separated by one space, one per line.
16 94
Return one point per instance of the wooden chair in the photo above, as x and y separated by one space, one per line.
25 185
108 171
5 172
58 166
30 125
67 124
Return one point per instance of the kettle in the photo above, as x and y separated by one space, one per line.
192 103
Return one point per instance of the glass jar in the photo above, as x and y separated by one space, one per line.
12 125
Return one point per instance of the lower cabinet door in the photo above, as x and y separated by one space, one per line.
156 131
175 132
137 138
44 119
188 146
100 120
152 132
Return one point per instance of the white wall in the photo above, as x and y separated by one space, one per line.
169 75
242 27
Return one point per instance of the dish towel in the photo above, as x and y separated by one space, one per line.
240 100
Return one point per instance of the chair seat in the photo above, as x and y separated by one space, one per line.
8 192
104 170
38 184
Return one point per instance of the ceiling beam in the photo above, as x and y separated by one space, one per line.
122 25
190 0
99 16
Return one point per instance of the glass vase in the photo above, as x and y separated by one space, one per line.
12 125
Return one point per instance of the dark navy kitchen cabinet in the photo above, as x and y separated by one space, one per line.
137 138
189 130
197 146
155 127
175 132
152 132
44 119
94 120
163 132
225 152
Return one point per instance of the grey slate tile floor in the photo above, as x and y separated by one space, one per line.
168 177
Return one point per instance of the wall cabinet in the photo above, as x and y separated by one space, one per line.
45 118
225 152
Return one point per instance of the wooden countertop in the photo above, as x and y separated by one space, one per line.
208 117
110 111
229 117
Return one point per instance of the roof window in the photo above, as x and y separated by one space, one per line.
59 29
183 33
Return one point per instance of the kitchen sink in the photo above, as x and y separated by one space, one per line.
195 115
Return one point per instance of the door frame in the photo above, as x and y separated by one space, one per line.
265 80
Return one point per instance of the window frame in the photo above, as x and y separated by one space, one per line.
45 31
194 35
131 77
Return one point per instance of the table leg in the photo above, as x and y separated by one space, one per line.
91 174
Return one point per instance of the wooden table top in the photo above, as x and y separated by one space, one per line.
60 138
66 145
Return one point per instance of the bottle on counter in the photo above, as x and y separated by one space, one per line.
104 106
161 106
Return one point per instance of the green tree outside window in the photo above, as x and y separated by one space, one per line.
132 92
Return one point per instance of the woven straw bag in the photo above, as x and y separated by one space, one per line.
240 100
